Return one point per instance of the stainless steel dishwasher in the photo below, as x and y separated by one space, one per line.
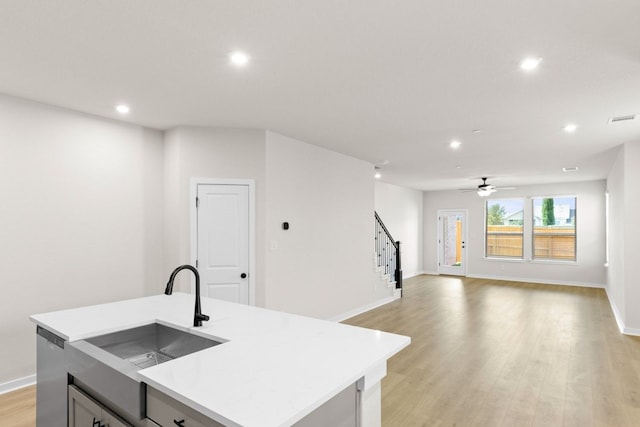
51 391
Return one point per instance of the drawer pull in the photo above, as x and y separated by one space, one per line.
179 423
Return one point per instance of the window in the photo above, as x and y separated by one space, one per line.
504 228
554 228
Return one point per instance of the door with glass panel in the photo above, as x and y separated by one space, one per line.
452 237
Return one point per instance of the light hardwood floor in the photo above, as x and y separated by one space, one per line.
489 353
18 408
497 353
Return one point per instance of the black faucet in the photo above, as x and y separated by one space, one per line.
198 317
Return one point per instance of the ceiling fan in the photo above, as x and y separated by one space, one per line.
485 189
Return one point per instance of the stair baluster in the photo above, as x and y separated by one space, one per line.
388 252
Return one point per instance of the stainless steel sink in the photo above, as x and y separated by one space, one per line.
151 345
106 366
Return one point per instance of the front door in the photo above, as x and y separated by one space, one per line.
223 241
452 242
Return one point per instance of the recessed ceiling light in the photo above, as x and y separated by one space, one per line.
571 169
238 58
530 64
476 131
455 144
377 175
570 127
122 108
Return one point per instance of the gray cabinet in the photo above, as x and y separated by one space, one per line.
168 412
340 411
87 412
51 393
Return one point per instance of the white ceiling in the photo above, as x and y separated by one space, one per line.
377 80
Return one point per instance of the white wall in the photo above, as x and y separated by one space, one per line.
400 209
81 216
195 152
615 271
323 265
623 278
632 236
589 269
97 210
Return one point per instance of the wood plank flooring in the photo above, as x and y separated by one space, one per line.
497 353
489 353
18 408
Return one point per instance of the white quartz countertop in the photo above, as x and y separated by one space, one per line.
272 370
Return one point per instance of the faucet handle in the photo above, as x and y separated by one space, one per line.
198 318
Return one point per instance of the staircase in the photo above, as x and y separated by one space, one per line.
387 256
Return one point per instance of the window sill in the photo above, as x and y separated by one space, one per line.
498 259
553 261
531 261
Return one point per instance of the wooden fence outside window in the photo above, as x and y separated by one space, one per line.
554 242
549 242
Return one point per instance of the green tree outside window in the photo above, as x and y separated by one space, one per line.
548 216
495 215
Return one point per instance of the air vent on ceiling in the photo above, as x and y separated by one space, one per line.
622 118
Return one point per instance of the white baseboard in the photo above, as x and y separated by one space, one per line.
616 313
618 317
408 276
428 272
631 331
17 384
543 281
355 312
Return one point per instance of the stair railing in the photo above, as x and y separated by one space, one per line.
388 252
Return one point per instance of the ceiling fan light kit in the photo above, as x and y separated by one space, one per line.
485 189
484 192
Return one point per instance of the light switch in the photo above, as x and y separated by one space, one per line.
273 245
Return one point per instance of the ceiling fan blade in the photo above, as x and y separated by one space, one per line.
485 188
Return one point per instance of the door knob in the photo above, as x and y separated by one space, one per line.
243 275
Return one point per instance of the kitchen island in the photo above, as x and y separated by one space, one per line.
272 368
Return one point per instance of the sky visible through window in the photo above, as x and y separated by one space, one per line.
571 201
515 205
510 205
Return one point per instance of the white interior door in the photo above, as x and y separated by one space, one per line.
452 237
223 241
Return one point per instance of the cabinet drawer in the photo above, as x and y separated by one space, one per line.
169 412
85 411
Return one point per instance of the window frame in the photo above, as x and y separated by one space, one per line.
521 234
533 234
